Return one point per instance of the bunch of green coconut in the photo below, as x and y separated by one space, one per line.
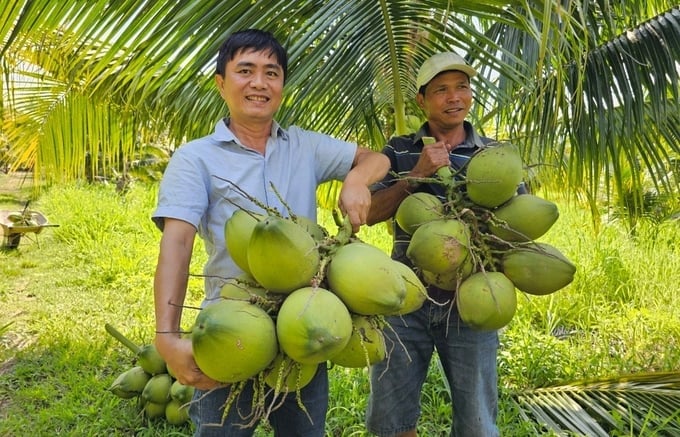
305 297
159 395
480 242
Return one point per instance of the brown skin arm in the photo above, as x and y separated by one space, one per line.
355 197
170 284
384 203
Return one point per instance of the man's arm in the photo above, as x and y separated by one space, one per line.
384 202
170 285
355 198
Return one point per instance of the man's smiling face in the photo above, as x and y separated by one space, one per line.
252 86
447 99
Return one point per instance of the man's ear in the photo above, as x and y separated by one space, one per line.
219 81
420 100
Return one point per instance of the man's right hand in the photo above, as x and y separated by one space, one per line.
178 355
432 158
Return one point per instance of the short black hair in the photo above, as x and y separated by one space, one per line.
251 39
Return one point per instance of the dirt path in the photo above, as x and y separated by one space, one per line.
15 181
15 189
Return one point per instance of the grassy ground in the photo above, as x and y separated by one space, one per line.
58 289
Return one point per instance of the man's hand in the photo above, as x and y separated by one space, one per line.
432 158
178 355
355 201
355 197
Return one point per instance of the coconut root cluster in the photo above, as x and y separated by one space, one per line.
479 241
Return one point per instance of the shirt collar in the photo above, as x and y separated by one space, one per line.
472 139
224 134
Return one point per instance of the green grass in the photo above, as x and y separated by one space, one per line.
57 290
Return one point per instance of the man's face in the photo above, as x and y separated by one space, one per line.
447 99
252 86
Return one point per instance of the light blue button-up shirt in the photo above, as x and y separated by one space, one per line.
206 179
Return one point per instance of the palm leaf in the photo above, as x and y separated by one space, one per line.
638 404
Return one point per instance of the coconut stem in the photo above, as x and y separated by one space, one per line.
123 339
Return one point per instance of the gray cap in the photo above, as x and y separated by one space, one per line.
446 61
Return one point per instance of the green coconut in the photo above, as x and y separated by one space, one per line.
318 232
237 231
282 255
287 375
313 325
181 393
366 346
243 287
449 280
416 209
154 410
176 412
439 246
130 383
486 300
233 340
524 217
416 293
538 268
493 174
366 279
157 390
148 357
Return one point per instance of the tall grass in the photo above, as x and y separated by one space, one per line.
58 289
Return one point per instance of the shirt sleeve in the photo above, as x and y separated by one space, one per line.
183 192
333 157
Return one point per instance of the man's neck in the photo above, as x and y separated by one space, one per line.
454 136
252 133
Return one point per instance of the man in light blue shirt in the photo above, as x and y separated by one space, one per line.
205 180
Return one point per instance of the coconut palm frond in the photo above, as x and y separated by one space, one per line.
638 404
599 110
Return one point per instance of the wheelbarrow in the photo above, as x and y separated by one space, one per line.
15 224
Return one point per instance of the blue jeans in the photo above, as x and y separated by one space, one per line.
288 419
468 359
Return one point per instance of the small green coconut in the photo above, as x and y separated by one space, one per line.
366 345
157 390
487 300
524 217
154 410
181 393
538 268
176 412
416 209
130 383
287 375
493 174
439 246
313 325
282 255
